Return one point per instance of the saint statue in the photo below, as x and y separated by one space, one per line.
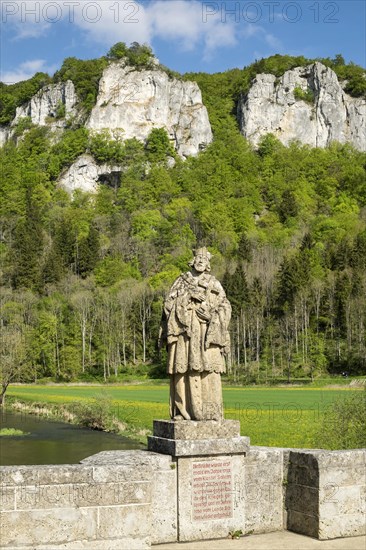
195 325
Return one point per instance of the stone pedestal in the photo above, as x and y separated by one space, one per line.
210 459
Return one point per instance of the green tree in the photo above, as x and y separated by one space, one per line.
118 51
158 146
88 252
28 247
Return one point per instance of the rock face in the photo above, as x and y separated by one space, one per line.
132 103
135 102
85 174
328 114
4 134
46 103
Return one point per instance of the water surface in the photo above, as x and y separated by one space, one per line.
51 442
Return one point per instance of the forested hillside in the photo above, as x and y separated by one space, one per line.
83 278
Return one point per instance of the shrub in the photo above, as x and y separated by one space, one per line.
60 110
96 414
85 75
343 425
304 95
23 124
137 55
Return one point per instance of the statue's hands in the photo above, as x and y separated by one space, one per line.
203 313
198 296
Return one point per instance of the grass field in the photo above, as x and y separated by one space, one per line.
284 417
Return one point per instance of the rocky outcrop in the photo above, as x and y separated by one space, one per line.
131 101
4 134
85 174
135 102
46 104
325 114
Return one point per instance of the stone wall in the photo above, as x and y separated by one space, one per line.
129 499
263 486
111 501
326 493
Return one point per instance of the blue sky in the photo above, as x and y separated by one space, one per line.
186 35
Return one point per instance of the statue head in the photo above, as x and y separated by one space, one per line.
201 260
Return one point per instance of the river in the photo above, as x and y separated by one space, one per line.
51 442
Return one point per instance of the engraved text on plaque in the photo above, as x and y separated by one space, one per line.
212 494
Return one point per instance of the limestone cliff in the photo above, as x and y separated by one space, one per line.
85 173
132 101
138 101
45 105
306 104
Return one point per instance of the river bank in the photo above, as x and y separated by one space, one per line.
94 415
280 416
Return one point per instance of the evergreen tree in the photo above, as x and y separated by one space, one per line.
28 247
88 252
236 288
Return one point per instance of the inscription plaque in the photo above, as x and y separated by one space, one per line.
212 493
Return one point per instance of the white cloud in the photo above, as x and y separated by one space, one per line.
259 32
121 21
273 42
26 70
176 20
179 22
185 24
104 21
26 18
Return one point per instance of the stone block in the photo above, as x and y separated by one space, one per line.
199 447
131 521
302 499
125 543
264 455
160 469
303 463
259 473
192 430
119 472
43 475
7 498
347 525
329 487
52 526
263 508
327 459
343 475
335 500
341 459
109 466
132 458
211 496
82 495
303 475
164 501
302 523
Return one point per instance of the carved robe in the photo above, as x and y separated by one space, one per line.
197 316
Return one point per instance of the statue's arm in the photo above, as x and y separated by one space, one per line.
177 308
217 332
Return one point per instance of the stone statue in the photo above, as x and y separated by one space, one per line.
195 327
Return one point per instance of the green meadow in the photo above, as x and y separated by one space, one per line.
284 417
